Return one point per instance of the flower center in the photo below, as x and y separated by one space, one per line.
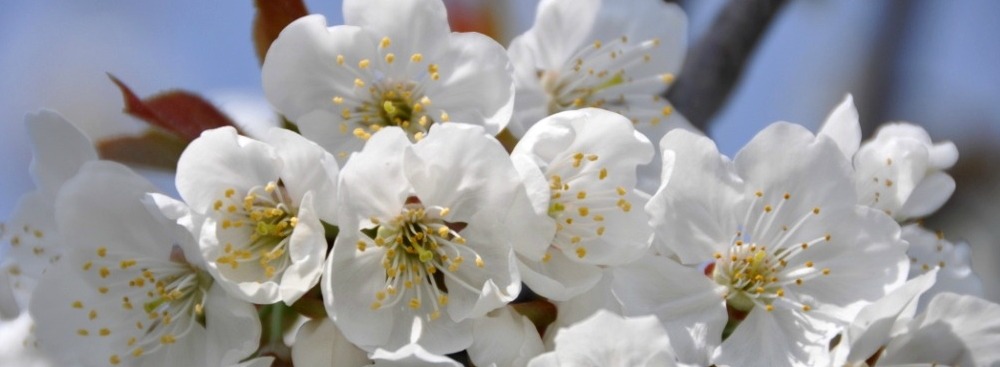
160 302
581 196
604 75
751 275
421 249
266 218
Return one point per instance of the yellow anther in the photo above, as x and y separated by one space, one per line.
359 83
338 100
362 246
574 239
479 262
667 111
92 315
385 42
104 332
667 78
340 59
809 264
597 44
603 174
138 352
105 272
167 339
115 360
816 210
432 68
769 308
102 251
826 271
620 190
77 304
102 290
583 211
416 57
759 193
767 208
444 116
82 332
581 252
414 303
546 258
389 58
600 231
418 136
806 308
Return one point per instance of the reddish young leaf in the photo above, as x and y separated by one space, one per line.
179 112
155 149
272 16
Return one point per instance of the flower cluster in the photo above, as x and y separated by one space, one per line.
392 227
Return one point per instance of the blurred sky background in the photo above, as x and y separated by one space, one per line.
931 62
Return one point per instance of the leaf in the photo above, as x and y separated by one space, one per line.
155 149
179 112
272 16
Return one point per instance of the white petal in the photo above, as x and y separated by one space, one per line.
31 245
219 160
411 355
955 330
349 282
607 339
559 278
320 343
843 127
504 338
772 339
307 167
58 150
233 328
682 298
416 26
686 220
372 183
307 251
928 196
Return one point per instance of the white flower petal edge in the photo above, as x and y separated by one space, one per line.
31 241
320 343
126 293
930 250
900 171
588 159
955 330
411 355
504 338
263 203
608 339
782 238
876 323
385 68
843 126
414 216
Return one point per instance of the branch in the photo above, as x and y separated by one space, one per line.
716 62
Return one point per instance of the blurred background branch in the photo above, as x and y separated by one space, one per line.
715 63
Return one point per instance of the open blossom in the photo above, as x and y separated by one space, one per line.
263 204
778 234
422 240
579 169
607 339
616 55
31 241
394 63
132 289
900 171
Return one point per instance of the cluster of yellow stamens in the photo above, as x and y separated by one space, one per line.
754 274
421 249
267 214
599 77
162 301
581 195
395 94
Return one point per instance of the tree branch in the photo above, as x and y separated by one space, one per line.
716 62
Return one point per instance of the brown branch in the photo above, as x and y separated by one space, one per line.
717 61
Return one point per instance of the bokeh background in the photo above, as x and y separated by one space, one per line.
932 62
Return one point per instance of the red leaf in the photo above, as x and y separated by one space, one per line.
272 16
155 149
180 112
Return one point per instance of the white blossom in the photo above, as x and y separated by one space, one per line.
579 168
394 63
263 204
31 240
132 290
931 250
779 234
422 237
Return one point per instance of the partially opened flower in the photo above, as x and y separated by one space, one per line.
901 171
132 289
263 201
779 234
422 239
579 169
394 63
31 240
931 250
607 339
